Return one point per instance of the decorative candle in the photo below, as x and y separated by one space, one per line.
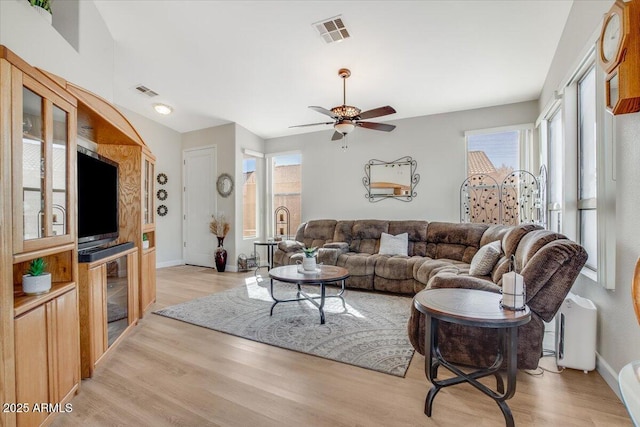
281 231
281 216
513 290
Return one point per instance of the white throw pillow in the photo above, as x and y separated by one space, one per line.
485 259
394 245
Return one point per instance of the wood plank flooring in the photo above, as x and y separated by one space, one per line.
170 373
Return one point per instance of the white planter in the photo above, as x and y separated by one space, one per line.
309 264
34 285
44 13
145 244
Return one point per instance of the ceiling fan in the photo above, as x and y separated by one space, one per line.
347 117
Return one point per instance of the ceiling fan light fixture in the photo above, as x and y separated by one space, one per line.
346 111
344 126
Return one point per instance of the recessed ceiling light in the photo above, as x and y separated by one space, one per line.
162 109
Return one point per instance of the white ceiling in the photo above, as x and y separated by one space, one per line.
262 63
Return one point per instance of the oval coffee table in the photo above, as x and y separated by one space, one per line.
324 274
482 309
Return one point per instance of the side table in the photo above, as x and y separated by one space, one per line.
472 308
270 248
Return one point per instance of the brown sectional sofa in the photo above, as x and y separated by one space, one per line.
439 256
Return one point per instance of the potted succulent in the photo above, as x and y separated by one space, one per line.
36 280
43 7
309 260
145 241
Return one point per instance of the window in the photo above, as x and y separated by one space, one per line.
587 181
492 196
496 154
555 178
249 197
286 178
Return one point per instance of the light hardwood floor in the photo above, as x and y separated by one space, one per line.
167 372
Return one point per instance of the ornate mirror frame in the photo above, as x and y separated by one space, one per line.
399 185
224 184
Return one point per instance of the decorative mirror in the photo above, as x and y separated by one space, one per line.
391 180
162 178
224 184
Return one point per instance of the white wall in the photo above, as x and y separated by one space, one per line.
29 36
332 178
166 145
618 336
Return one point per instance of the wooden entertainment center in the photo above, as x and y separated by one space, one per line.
49 341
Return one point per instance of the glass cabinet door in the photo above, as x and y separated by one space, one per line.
148 176
44 181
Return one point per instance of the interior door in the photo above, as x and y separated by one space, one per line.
199 204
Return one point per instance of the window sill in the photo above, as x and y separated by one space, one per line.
589 274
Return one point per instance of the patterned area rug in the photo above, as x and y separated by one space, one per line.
369 331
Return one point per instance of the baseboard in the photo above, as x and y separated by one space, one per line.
608 373
170 263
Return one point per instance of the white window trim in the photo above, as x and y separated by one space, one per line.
566 98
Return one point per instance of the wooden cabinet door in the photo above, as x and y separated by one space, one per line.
98 313
32 364
148 283
67 333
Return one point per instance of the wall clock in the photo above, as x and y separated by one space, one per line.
224 184
619 57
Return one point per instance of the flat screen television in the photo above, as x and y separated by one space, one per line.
97 199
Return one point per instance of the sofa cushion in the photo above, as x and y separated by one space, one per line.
485 259
454 241
366 235
417 231
290 246
394 245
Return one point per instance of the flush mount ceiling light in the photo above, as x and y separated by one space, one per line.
162 109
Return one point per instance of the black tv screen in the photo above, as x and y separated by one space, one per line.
97 199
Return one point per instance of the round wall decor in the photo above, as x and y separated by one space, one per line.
224 184
162 179
162 194
162 210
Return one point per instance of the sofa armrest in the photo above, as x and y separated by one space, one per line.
448 279
290 246
343 247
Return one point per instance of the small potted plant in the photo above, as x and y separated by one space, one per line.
145 241
309 260
43 7
36 280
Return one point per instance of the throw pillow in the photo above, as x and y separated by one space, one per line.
394 245
485 259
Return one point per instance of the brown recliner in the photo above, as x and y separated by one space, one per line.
549 263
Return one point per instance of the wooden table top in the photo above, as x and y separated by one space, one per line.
324 273
470 307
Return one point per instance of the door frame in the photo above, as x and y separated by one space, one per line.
214 147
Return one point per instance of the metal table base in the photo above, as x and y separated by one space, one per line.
311 298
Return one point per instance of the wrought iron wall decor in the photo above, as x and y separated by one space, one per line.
282 229
519 198
396 179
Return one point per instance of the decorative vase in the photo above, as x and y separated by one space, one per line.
309 264
35 285
221 256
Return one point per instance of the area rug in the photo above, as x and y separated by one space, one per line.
369 330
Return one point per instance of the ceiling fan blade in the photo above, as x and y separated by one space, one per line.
324 111
377 112
311 124
376 126
336 136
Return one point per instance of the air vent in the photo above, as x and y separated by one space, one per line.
332 29
146 91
